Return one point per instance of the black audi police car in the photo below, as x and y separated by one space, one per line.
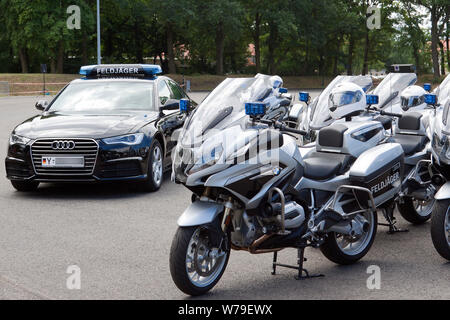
116 123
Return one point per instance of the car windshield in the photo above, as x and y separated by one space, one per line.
105 97
320 115
224 106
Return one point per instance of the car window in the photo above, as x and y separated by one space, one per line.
163 91
177 92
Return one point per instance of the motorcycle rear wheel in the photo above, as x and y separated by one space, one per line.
415 211
440 228
344 250
195 266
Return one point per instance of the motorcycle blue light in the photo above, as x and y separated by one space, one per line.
185 105
255 109
427 87
303 96
431 99
372 99
283 90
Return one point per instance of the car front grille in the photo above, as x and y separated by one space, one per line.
87 148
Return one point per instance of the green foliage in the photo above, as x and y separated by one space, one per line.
295 37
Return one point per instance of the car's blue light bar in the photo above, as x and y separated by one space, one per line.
283 90
431 99
120 71
255 109
185 105
372 99
303 96
427 86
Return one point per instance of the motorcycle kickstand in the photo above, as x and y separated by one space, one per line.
389 216
299 268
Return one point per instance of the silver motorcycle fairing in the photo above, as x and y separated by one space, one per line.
200 213
444 192
289 158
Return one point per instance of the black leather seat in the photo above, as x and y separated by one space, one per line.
410 143
326 165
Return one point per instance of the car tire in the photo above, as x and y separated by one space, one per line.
25 186
155 168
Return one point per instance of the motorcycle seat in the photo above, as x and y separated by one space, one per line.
410 143
326 165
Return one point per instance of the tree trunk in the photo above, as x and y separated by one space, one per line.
434 42
351 48
417 58
441 48
60 61
53 65
366 54
170 49
84 50
220 43
273 36
256 40
23 60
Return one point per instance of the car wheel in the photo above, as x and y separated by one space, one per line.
155 168
25 186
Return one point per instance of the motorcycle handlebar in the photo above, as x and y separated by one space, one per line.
384 113
282 127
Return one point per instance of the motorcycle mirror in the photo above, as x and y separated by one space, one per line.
431 99
303 96
185 105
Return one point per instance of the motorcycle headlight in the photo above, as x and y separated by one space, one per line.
441 146
15 139
129 139
207 159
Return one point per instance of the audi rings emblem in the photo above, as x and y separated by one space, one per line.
63 145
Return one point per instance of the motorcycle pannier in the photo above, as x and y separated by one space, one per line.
380 170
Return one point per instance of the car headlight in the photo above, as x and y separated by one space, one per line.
207 159
129 139
15 139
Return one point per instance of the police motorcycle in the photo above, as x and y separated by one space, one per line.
255 190
316 115
408 126
440 149
304 116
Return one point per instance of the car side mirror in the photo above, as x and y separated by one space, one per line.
41 105
171 104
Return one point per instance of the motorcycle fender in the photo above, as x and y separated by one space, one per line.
444 192
200 213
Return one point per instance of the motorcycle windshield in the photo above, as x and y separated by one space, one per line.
320 115
224 107
389 90
443 91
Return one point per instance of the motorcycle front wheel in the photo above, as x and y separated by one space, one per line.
440 228
345 249
195 265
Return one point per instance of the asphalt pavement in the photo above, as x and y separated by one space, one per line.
120 241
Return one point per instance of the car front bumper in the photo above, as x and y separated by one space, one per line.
102 162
